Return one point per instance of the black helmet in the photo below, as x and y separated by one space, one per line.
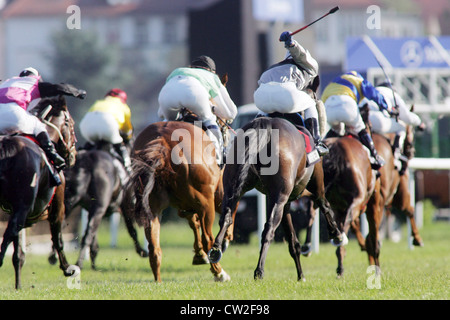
204 62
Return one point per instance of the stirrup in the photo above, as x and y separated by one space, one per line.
322 148
377 162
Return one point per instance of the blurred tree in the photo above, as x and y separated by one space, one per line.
84 60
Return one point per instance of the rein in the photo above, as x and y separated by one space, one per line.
68 148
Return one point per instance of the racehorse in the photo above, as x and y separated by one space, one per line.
269 154
97 184
26 189
174 165
352 189
394 186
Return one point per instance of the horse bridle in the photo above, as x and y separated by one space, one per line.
71 132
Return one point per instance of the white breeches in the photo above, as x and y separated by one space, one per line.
96 126
343 109
282 97
184 92
381 124
15 119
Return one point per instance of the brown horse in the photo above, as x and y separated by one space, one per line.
394 186
352 189
26 191
269 154
174 165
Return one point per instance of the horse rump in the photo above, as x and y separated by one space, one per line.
145 163
8 149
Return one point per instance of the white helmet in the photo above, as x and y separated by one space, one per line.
28 72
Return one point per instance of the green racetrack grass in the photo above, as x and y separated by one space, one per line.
419 274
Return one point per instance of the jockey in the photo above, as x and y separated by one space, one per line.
282 88
382 122
198 88
109 119
342 99
17 95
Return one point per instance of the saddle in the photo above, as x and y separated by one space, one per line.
50 167
296 119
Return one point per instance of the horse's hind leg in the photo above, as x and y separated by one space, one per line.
309 211
200 257
15 224
127 210
294 244
276 208
152 233
18 260
374 217
96 213
317 188
402 201
206 221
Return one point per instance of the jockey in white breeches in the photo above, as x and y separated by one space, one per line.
382 122
342 98
282 87
17 96
199 89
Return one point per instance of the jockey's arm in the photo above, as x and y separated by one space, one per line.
47 89
225 107
303 58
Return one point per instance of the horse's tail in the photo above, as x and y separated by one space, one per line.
255 137
8 149
144 167
333 164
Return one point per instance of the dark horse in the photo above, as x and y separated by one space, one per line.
269 154
26 192
174 165
97 184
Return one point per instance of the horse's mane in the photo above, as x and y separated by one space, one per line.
57 102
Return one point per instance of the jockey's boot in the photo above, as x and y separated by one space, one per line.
215 135
367 141
124 155
313 126
58 162
331 134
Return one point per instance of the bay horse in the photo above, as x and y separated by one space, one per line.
395 192
26 190
352 188
269 154
174 165
97 183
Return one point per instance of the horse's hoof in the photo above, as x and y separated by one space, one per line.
222 277
200 259
259 275
340 241
72 271
214 255
418 243
52 260
143 253
306 250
